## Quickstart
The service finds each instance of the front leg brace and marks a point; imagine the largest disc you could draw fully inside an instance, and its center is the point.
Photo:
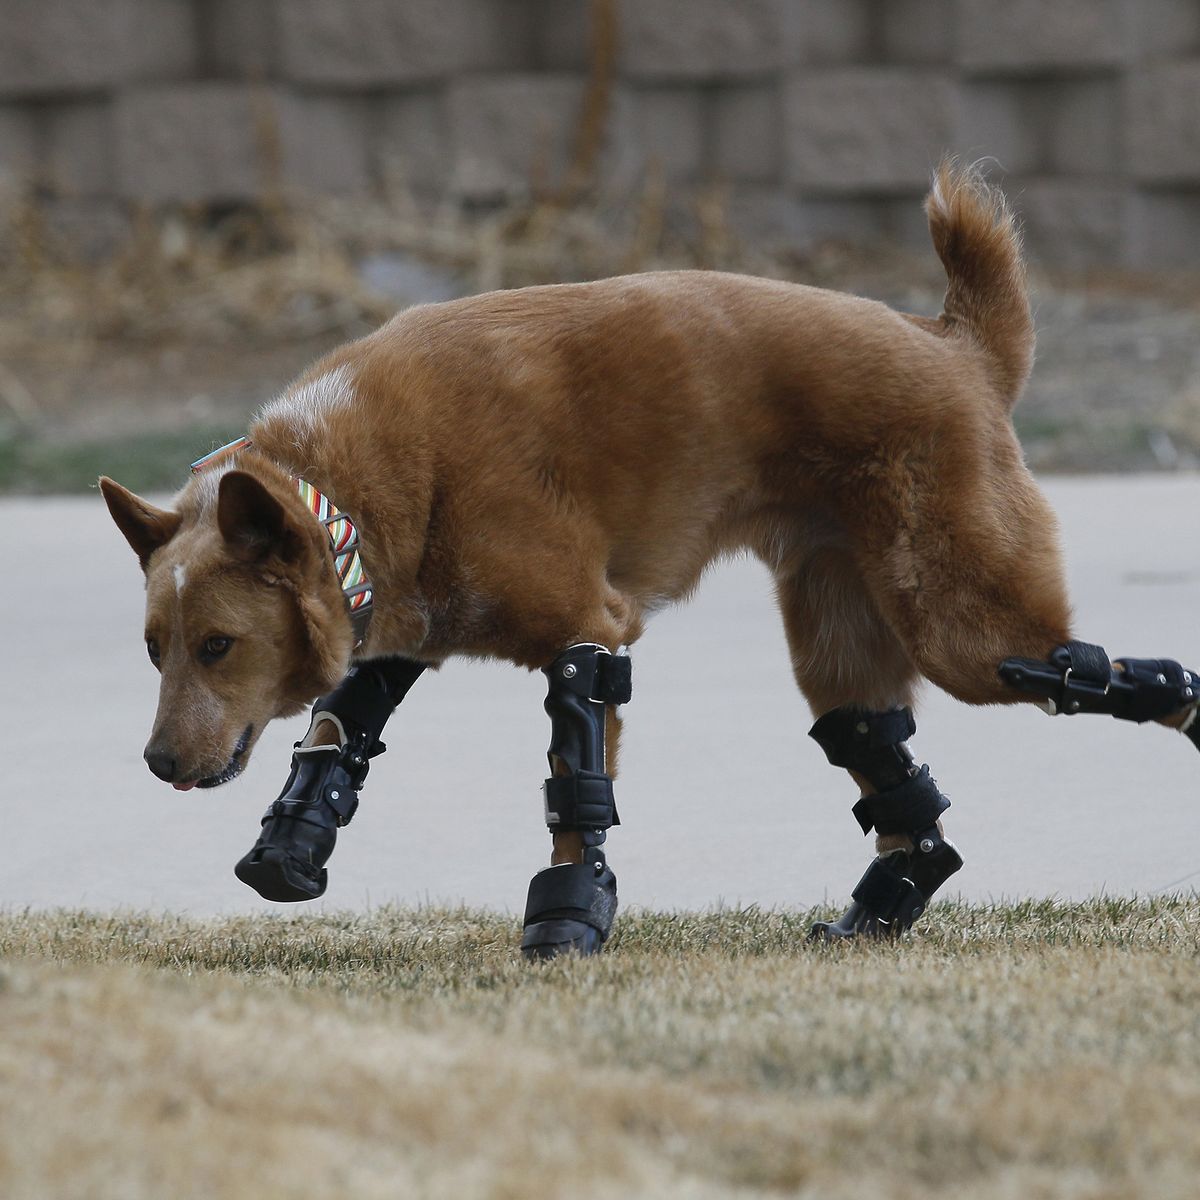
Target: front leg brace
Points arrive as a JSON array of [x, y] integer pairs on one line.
[[570, 907], [1078, 677], [299, 832]]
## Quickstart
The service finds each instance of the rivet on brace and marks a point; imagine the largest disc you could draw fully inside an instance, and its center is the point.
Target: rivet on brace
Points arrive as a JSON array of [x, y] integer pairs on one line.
[[570, 907], [898, 885]]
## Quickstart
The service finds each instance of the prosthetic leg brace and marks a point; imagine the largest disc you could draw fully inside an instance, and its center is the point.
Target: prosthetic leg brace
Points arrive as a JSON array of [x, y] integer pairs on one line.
[[1078, 677], [570, 908], [299, 830], [898, 885]]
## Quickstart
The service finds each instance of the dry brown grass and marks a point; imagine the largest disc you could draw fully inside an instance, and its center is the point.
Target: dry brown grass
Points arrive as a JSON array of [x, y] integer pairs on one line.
[[273, 272], [1028, 1051], [197, 316]]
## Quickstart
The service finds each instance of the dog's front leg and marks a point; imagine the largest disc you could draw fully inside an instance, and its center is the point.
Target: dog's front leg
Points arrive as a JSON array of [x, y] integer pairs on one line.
[[329, 766], [572, 903]]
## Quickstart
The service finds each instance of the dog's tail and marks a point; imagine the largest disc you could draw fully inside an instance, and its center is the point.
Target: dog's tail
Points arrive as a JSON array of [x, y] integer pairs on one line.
[[976, 237]]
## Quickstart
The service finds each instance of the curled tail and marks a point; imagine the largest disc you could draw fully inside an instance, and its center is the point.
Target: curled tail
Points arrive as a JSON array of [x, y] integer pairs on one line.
[[975, 235]]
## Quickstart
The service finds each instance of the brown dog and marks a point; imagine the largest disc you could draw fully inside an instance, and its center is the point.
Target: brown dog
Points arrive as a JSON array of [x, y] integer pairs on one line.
[[537, 469]]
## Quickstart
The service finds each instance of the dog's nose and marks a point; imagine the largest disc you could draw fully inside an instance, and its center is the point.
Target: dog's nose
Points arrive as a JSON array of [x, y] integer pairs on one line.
[[163, 765]]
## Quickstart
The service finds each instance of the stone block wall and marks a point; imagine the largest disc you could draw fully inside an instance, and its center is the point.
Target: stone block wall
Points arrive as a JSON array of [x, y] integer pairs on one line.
[[822, 117]]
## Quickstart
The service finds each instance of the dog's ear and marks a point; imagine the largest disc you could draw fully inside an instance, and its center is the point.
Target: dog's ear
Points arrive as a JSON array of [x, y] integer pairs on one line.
[[257, 526], [145, 527], [254, 522]]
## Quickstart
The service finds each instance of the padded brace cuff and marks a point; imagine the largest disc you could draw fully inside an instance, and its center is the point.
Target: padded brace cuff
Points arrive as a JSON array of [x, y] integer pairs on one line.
[[910, 808], [848, 735], [1085, 661], [368, 696], [569, 886], [395, 675], [614, 679], [360, 701], [583, 801], [1161, 687]]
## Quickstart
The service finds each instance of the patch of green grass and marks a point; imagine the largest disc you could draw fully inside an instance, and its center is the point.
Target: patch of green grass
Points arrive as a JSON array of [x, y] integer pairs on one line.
[[1032, 426], [34, 464]]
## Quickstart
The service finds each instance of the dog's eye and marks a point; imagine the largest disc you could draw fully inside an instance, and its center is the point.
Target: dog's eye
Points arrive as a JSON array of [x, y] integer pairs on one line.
[[214, 648], [153, 650]]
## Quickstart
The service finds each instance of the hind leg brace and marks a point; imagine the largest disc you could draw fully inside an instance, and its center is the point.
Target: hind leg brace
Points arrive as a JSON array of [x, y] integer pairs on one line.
[[897, 885], [1078, 677], [300, 828], [570, 907]]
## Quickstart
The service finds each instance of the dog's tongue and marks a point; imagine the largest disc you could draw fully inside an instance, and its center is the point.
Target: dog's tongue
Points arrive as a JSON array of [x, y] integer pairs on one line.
[[184, 787]]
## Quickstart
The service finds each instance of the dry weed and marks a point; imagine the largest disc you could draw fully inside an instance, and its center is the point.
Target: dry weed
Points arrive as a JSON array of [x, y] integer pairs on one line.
[[273, 272]]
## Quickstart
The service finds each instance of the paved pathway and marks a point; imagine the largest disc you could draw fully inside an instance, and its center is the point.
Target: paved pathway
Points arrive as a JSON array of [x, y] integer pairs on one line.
[[724, 798]]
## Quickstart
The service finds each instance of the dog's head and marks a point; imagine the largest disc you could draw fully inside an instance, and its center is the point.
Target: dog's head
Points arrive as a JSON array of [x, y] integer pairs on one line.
[[245, 619]]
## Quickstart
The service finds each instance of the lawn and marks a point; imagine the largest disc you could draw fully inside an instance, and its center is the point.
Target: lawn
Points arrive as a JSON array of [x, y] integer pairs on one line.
[[1031, 1050]]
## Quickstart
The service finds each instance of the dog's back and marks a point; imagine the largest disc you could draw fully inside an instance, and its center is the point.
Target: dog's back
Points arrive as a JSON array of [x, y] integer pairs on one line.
[[647, 423]]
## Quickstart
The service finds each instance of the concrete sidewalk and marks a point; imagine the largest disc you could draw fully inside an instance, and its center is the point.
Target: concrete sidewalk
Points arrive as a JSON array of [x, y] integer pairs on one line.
[[724, 799]]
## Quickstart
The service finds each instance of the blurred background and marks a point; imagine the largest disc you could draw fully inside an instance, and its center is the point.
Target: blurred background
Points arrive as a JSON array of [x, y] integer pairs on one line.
[[198, 196]]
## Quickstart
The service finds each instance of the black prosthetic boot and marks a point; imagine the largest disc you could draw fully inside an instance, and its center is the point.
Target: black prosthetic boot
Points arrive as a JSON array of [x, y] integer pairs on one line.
[[1079, 677], [898, 886], [570, 908], [299, 830]]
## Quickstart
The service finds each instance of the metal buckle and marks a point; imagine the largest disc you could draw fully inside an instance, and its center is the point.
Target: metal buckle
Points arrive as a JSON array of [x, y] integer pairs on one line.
[[1068, 702]]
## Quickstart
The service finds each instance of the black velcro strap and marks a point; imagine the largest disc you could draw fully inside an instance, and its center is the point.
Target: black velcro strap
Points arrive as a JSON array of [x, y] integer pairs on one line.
[[882, 890], [913, 806], [845, 734], [297, 810], [318, 777], [1089, 662], [570, 886], [614, 678], [583, 801], [343, 801]]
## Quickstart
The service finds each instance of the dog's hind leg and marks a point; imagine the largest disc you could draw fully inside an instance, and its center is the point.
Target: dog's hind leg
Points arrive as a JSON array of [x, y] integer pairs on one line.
[[976, 596], [984, 615], [572, 903], [329, 766], [858, 677]]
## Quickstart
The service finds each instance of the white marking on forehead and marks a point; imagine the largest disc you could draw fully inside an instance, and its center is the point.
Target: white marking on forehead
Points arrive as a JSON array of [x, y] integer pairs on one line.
[[307, 408], [180, 573]]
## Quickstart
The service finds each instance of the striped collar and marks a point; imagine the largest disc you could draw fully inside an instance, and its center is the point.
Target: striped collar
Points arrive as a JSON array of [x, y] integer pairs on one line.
[[343, 541]]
